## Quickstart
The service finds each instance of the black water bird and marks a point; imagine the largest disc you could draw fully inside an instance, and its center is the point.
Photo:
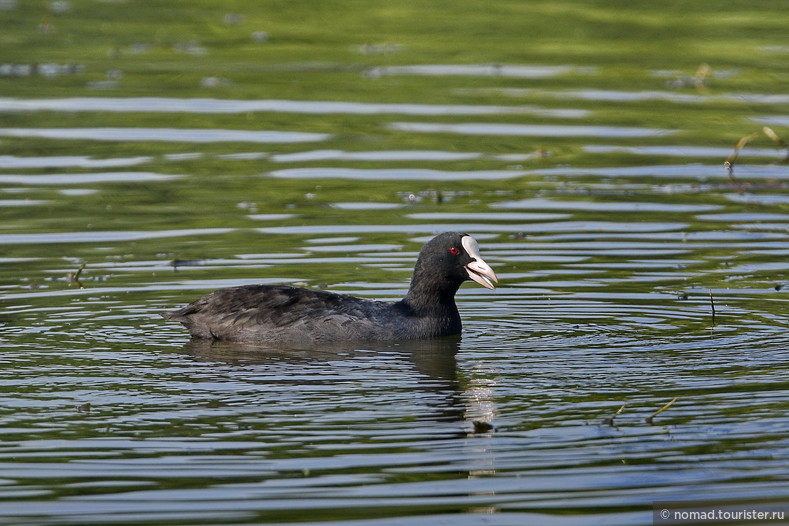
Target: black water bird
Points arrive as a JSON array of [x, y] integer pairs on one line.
[[284, 315]]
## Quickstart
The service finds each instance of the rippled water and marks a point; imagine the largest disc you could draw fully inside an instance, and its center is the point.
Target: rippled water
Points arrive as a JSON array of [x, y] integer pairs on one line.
[[636, 273]]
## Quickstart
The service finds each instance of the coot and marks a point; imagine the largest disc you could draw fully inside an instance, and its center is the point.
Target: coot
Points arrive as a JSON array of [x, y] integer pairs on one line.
[[279, 315]]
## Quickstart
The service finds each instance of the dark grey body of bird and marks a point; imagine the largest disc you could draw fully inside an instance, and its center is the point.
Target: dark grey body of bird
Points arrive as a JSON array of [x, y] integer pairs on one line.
[[284, 315]]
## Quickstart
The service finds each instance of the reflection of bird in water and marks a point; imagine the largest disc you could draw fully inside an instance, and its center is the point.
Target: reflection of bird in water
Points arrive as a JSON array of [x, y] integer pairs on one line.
[[433, 358], [428, 367]]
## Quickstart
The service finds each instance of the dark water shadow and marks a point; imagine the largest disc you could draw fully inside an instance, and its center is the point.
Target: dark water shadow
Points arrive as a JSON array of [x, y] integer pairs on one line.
[[433, 362], [435, 358]]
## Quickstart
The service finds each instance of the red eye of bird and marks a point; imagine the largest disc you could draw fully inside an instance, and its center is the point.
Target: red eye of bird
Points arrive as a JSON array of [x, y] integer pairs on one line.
[[454, 251]]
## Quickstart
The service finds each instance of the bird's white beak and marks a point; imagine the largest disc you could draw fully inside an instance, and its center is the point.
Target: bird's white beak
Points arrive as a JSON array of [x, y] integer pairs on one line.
[[478, 270]]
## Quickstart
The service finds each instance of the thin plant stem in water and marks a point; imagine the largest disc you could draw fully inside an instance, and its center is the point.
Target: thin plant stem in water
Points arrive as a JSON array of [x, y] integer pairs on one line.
[[610, 420], [769, 132], [732, 158], [650, 420], [712, 307], [73, 277]]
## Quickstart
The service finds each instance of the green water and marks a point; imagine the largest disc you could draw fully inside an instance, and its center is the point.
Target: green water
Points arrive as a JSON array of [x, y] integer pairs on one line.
[[149, 155]]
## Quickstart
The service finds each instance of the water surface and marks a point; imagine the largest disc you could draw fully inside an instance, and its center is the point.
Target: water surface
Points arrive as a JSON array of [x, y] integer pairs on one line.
[[582, 147]]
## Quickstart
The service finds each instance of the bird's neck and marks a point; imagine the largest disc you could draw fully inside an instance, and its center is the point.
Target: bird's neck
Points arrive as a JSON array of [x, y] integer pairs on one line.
[[432, 311], [427, 295]]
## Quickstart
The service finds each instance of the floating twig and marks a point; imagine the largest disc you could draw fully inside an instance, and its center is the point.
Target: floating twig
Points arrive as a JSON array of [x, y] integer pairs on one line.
[[769, 132], [730, 160], [656, 413], [73, 277], [729, 170], [610, 420]]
